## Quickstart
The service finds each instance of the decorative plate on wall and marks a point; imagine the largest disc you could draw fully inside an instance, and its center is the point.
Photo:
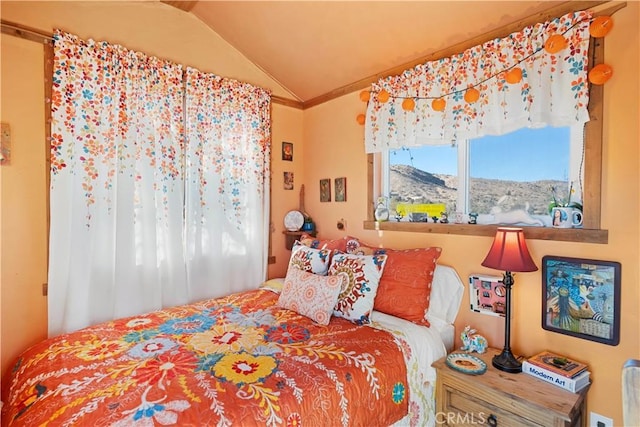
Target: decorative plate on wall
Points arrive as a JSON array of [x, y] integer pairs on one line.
[[466, 363], [293, 220]]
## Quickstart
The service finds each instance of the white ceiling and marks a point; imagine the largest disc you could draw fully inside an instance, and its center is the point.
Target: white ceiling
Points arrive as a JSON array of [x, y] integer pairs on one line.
[[314, 48]]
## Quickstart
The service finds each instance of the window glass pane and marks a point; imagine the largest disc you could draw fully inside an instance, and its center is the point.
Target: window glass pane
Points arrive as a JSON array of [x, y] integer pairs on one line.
[[505, 173], [517, 170], [424, 177]]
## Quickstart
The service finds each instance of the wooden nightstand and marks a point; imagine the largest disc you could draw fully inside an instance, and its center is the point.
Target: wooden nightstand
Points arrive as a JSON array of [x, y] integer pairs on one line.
[[498, 398]]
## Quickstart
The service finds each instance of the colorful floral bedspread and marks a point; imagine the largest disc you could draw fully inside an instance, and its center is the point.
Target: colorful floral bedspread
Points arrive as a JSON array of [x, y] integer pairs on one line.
[[237, 360]]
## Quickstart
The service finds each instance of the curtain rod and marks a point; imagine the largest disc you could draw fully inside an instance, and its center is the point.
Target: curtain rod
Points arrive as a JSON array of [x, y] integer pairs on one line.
[[22, 31], [38, 36]]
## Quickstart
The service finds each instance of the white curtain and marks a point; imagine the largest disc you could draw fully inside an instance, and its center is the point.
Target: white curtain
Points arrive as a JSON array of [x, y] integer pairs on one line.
[[553, 90], [118, 240], [228, 160], [116, 184]]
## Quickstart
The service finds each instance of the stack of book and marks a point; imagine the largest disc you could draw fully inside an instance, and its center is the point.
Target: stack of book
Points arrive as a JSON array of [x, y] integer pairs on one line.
[[558, 370]]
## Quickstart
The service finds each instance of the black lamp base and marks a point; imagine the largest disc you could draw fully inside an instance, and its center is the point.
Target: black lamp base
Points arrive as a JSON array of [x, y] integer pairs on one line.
[[507, 362]]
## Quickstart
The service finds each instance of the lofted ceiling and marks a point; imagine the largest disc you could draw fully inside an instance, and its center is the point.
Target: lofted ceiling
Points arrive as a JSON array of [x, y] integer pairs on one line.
[[316, 48]]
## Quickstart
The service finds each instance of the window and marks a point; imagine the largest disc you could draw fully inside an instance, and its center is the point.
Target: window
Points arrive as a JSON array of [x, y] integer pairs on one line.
[[486, 176], [591, 185]]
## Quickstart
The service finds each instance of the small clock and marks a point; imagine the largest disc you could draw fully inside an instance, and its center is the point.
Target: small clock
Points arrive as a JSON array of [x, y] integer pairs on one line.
[[293, 220]]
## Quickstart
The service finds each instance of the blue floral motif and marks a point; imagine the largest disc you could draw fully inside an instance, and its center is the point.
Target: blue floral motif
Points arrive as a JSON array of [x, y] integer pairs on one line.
[[188, 325], [266, 350], [398, 393], [207, 362], [254, 318], [148, 411], [138, 336], [576, 67]]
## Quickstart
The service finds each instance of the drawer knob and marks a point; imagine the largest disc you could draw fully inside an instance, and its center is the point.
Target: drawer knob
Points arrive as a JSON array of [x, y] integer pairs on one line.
[[492, 420]]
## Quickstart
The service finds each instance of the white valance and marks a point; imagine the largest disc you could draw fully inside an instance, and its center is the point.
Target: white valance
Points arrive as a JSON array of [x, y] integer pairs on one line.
[[552, 90]]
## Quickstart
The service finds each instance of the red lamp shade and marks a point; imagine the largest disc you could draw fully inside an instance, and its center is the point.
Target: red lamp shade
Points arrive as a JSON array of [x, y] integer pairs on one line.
[[509, 251]]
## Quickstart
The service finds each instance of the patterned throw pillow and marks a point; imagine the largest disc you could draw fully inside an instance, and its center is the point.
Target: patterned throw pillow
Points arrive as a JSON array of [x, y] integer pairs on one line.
[[310, 295], [362, 274], [309, 259]]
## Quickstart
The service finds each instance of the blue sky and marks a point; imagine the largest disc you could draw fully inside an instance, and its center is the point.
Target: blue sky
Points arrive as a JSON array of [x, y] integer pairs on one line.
[[524, 155]]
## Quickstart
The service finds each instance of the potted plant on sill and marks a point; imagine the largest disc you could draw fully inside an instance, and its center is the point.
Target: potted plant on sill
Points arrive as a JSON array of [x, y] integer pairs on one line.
[[558, 203]]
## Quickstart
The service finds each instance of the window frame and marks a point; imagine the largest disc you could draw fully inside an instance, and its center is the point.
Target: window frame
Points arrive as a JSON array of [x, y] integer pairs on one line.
[[575, 147], [592, 203]]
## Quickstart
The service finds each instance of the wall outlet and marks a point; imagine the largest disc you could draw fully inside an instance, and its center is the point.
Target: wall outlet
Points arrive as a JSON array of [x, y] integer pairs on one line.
[[597, 420]]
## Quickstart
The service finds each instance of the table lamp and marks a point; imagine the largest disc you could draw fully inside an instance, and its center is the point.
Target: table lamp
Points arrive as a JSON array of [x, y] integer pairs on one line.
[[509, 253]]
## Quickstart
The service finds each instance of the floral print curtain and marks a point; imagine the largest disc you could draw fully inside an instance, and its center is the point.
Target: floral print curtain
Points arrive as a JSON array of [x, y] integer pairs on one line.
[[120, 180], [228, 129], [552, 90]]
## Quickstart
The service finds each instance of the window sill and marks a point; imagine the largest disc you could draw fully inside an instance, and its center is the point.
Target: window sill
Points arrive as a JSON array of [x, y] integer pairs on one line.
[[580, 235]]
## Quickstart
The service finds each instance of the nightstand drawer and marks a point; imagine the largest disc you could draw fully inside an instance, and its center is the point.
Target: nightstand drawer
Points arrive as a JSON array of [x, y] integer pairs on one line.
[[463, 409]]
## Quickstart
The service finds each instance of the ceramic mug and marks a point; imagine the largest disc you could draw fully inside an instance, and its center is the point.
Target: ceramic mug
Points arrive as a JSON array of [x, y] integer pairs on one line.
[[566, 217]]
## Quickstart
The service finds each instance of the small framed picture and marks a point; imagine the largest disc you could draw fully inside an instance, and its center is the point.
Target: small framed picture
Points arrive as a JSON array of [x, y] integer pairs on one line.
[[581, 298], [325, 190], [287, 151], [487, 295], [288, 180], [341, 189]]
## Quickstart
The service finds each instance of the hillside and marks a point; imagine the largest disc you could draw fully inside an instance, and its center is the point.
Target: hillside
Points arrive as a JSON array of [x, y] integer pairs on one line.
[[409, 184]]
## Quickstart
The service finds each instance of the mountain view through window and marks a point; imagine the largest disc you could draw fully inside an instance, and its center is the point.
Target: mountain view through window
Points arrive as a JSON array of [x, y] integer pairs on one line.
[[521, 170]]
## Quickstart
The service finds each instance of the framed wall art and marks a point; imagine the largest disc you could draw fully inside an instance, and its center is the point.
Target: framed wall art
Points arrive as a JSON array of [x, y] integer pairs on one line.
[[341, 189], [288, 180], [325, 190], [487, 294], [287, 151], [581, 298]]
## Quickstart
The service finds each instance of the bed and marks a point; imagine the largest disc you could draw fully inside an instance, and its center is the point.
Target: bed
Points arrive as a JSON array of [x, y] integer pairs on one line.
[[244, 359]]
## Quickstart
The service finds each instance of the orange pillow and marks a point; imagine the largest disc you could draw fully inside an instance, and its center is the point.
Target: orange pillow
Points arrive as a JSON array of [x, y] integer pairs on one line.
[[405, 285], [312, 242]]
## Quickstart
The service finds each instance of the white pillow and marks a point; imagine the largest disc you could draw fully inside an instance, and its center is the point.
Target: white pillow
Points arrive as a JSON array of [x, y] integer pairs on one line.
[[446, 294], [311, 295]]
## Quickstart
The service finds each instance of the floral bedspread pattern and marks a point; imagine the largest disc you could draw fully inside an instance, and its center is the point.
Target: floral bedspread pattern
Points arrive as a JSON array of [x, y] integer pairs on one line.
[[237, 360]]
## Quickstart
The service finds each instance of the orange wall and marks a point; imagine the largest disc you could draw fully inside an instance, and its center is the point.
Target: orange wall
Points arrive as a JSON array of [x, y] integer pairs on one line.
[[287, 126], [334, 147], [23, 200]]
